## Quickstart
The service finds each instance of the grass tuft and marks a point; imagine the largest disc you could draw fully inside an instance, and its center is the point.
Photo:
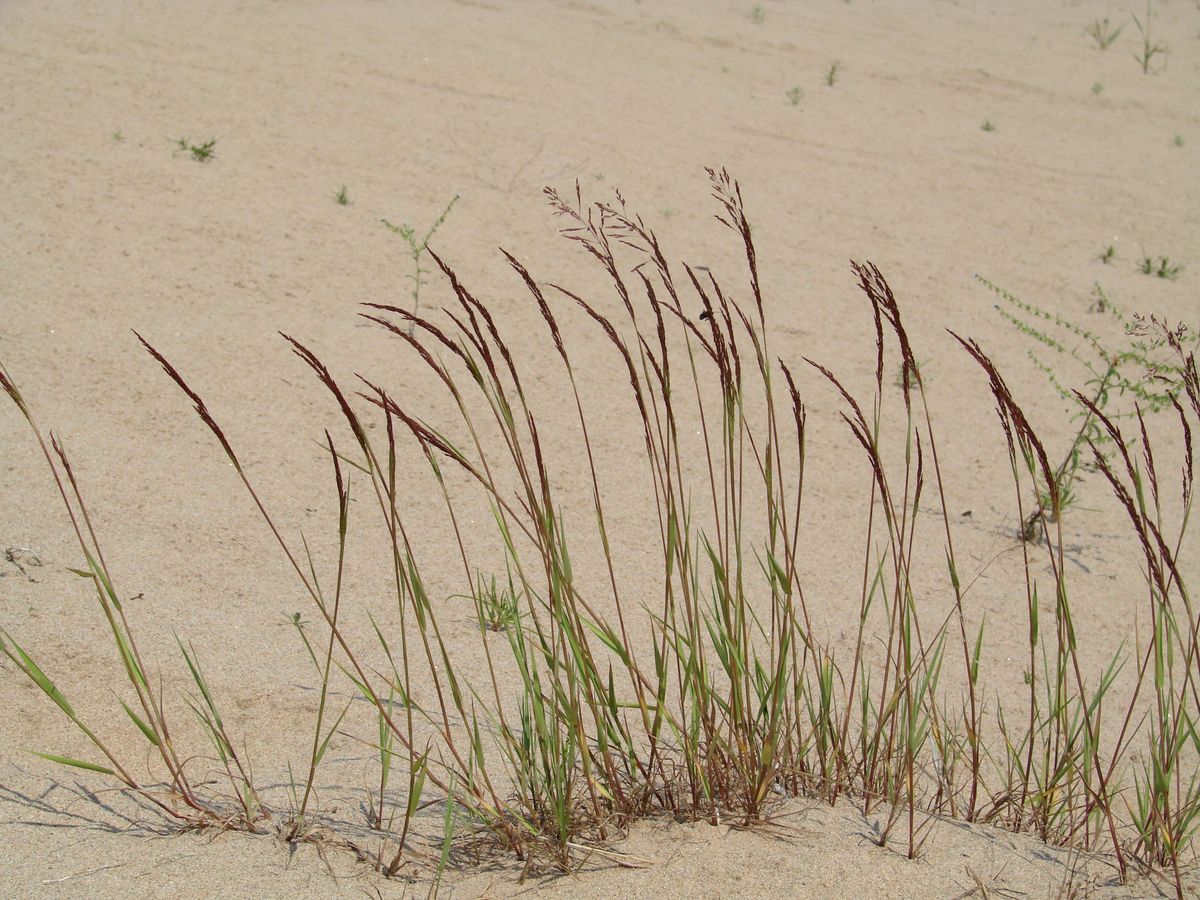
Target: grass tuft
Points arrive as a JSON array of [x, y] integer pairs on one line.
[[715, 693], [1160, 267]]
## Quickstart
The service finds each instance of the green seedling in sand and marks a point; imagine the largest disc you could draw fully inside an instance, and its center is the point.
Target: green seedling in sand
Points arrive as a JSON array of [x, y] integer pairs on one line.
[[1103, 33], [758, 15], [1178, 141], [199, 152], [987, 125], [1160, 267], [497, 607], [795, 95], [416, 248], [906, 380], [1150, 47], [1109, 254], [1097, 88], [118, 136], [831, 76], [342, 196], [690, 678]]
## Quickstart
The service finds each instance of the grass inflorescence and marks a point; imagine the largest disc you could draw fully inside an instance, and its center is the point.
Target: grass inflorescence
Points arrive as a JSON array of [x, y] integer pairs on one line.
[[713, 696]]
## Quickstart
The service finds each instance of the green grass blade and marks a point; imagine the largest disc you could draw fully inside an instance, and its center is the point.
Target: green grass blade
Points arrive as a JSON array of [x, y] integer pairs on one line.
[[74, 763], [142, 726]]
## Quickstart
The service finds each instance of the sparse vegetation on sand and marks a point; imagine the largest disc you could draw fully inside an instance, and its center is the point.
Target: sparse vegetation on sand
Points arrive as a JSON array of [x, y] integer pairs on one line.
[[1137, 379], [1150, 47], [717, 696], [1103, 33], [1160, 267], [201, 152]]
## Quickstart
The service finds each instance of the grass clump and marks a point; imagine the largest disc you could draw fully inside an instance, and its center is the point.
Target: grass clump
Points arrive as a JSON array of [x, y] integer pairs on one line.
[[987, 125], [181, 799], [497, 607], [342, 196], [1160, 267], [1109, 254], [712, 693], [831, 76]]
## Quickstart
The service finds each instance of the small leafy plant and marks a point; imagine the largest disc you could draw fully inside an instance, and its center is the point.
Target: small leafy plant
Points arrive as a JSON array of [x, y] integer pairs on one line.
[[832, 75], [342, 196], [1150, 47], [199, 152], [1160, 267], [987, 125], [795, 95], [1103, 33], [1139, 370], [758, 15], [416, 248], [1109, 254], [1097, 88], [497, 607]]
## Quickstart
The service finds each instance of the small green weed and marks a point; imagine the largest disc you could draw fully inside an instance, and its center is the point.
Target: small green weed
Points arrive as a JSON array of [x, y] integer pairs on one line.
[[1160, 266], [987, 125], [907, 375], [758, 15], [496, 606], [1108, 377], [1103, 33], [795, 95], [832, 75], [1097, 88], [200, 152], [1109, 254], [1150, 47], [341, 196], [417, 247]]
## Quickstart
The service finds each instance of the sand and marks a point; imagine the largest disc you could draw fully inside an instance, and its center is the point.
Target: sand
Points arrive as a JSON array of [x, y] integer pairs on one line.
[[106, 228]]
